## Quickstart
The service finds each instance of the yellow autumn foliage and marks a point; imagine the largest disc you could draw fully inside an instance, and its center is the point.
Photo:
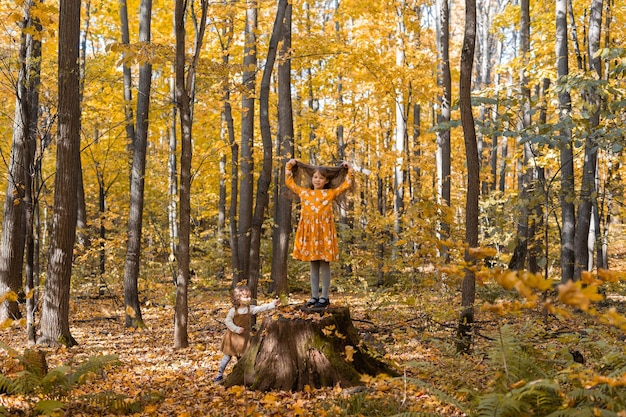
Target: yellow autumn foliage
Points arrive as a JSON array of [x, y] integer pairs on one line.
[[577, 295]]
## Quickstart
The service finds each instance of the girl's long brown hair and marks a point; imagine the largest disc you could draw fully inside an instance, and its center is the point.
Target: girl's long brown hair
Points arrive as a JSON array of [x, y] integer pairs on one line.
[[303, 173]]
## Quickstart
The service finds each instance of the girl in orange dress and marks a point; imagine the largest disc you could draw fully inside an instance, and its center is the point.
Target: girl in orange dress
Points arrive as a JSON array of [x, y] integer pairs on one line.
[[316, 236]]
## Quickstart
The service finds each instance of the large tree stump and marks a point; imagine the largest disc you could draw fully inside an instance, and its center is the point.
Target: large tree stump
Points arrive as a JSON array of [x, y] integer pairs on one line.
[[306, 346]]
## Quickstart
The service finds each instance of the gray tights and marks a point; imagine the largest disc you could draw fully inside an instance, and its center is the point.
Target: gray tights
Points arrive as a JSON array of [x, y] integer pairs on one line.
[[317, 268], [223, 364]]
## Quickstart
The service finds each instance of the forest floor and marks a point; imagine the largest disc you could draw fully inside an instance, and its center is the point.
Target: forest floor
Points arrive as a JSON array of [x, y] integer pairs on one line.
[[415, 328]]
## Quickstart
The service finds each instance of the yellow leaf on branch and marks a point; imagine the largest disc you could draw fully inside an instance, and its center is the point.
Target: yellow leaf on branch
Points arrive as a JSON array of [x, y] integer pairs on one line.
[[573, 293], [507, 280], [611, 276], [10, 296], [482, 253]]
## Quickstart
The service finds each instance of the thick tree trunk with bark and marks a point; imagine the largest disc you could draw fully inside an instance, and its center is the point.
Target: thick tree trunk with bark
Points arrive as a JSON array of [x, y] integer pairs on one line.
[[54, 324], [306, 347], [468, 286], [13, 221], [283, 206]]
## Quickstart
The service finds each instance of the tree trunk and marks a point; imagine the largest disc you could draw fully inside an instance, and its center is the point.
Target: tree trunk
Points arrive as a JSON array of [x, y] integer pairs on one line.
[[416, 182], [227, 134], [311, 347], [102, 212], [282, 217], [128, 82], [444, 81], [185, 86], [567, 194], [588, 190], [493, 161], [265, 178], [12, 238], [520, 253], [137, 182], [540, 246], [228, 130], [30, 182], [54, 323], [82, 230], [172, 182], [400, 128], [381, 205], [246, 187], [468, 289], [181, 311]]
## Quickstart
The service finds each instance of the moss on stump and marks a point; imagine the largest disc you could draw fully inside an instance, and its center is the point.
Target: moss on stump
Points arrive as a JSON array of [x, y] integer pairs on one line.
[[306, 346]]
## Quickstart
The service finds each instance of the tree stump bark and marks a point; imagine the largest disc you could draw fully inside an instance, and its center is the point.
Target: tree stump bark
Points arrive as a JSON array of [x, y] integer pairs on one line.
[[302, 347]]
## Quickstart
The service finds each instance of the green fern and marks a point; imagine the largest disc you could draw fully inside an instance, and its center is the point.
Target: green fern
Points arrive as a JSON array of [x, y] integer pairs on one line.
[[583, 412], [49, 407], [112, 401], [534, 394], [56, 382], [499, 405], [615, 364], [95, 364], [442, 396], [7, 386], [582, 397], [514, 360], [536, 398], [26, 383], [55, 385], [515, 363]]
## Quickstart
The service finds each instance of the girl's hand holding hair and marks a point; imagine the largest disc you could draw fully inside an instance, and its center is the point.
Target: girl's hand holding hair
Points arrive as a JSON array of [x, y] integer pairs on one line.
[[291, 163]]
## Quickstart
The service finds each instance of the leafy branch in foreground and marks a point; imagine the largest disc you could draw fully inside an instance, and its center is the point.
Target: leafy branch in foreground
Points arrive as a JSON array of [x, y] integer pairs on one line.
[[50, 390]]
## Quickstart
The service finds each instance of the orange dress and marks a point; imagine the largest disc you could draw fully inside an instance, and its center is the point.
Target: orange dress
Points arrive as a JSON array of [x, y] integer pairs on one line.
[[316, 236]]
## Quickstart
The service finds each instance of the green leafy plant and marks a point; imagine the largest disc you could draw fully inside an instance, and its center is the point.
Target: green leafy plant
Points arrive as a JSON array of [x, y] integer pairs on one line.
[[51, 390], [526, 384], [368, 404]]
